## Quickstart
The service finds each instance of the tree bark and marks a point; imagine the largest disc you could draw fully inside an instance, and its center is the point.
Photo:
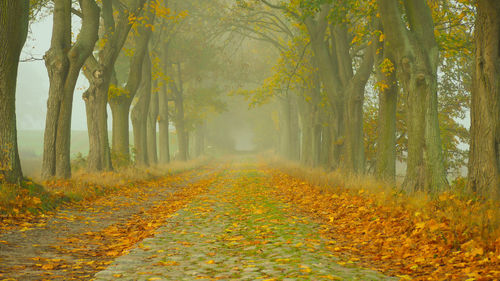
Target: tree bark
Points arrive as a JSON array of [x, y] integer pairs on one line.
[[120, 108], [355, 98], [151, 126], [294, 129], [180, 127], [484, 157], [305, 114], [64, 63], [329, 76], [99, 73], [285, 127], [13, 32], [140, 115], [417, 56], [386, 131], [120, 103], [163, 126]]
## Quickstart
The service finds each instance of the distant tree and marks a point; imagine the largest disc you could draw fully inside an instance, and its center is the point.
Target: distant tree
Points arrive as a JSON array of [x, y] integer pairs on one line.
[[14, 18], [139, 113]]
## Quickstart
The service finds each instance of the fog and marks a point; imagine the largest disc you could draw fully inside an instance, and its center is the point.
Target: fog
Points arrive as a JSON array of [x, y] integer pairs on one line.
[[245, 84]]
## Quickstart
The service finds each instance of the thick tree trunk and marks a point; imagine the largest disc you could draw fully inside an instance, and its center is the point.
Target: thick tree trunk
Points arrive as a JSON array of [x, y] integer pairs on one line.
[[120, 102], [386, 131], [484, 157], [151, 127], [140, 115], [57, 64], [96, 100], [355, 98], [417, 57], [99, 75], [163, 127], [120, 141], [64, 63], [13, 32]]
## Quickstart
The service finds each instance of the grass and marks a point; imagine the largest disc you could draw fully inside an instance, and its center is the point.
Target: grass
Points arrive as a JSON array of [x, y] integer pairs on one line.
[[33, 198], [477, 220]]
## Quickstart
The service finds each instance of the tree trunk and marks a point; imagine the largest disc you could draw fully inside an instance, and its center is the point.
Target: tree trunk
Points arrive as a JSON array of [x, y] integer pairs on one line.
[[305, 114], [13, 32], [386, 131], [99, 75], [180, 127], [96, 97], [355, 98], [151, 127], [417, 57], [140, 115], [285, 127], [120, 102], [64, 63], [120, 141], [163, 126], [294, 129], [484, 157]]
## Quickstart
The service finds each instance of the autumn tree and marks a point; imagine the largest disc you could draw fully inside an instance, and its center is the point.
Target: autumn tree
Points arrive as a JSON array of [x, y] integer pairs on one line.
[[14, 17], [99, 71], [120, 98], [64, 61], [139, 113]]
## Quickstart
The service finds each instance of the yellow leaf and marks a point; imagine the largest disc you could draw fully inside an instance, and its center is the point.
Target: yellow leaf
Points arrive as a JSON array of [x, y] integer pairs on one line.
[[168, 263], [420, 225], [305, 269], [477, 251]]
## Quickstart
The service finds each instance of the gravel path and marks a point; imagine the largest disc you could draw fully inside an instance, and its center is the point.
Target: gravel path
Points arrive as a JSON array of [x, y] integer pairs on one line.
[[236, 231]]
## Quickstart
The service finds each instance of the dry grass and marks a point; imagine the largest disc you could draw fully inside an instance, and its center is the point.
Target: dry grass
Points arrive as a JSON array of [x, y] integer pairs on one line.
[[479, 220], [126, 175], [31, 197]]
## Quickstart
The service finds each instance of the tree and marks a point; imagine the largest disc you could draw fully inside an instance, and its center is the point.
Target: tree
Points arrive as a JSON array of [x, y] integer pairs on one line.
[[388, 100], [177, 88], [139, 114], [417, 57], [14, 17], [120, 99], [99, 72], [484, 157], [64, 61]]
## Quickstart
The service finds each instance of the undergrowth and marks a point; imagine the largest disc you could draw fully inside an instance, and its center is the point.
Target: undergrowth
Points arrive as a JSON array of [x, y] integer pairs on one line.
[[32, 198]]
